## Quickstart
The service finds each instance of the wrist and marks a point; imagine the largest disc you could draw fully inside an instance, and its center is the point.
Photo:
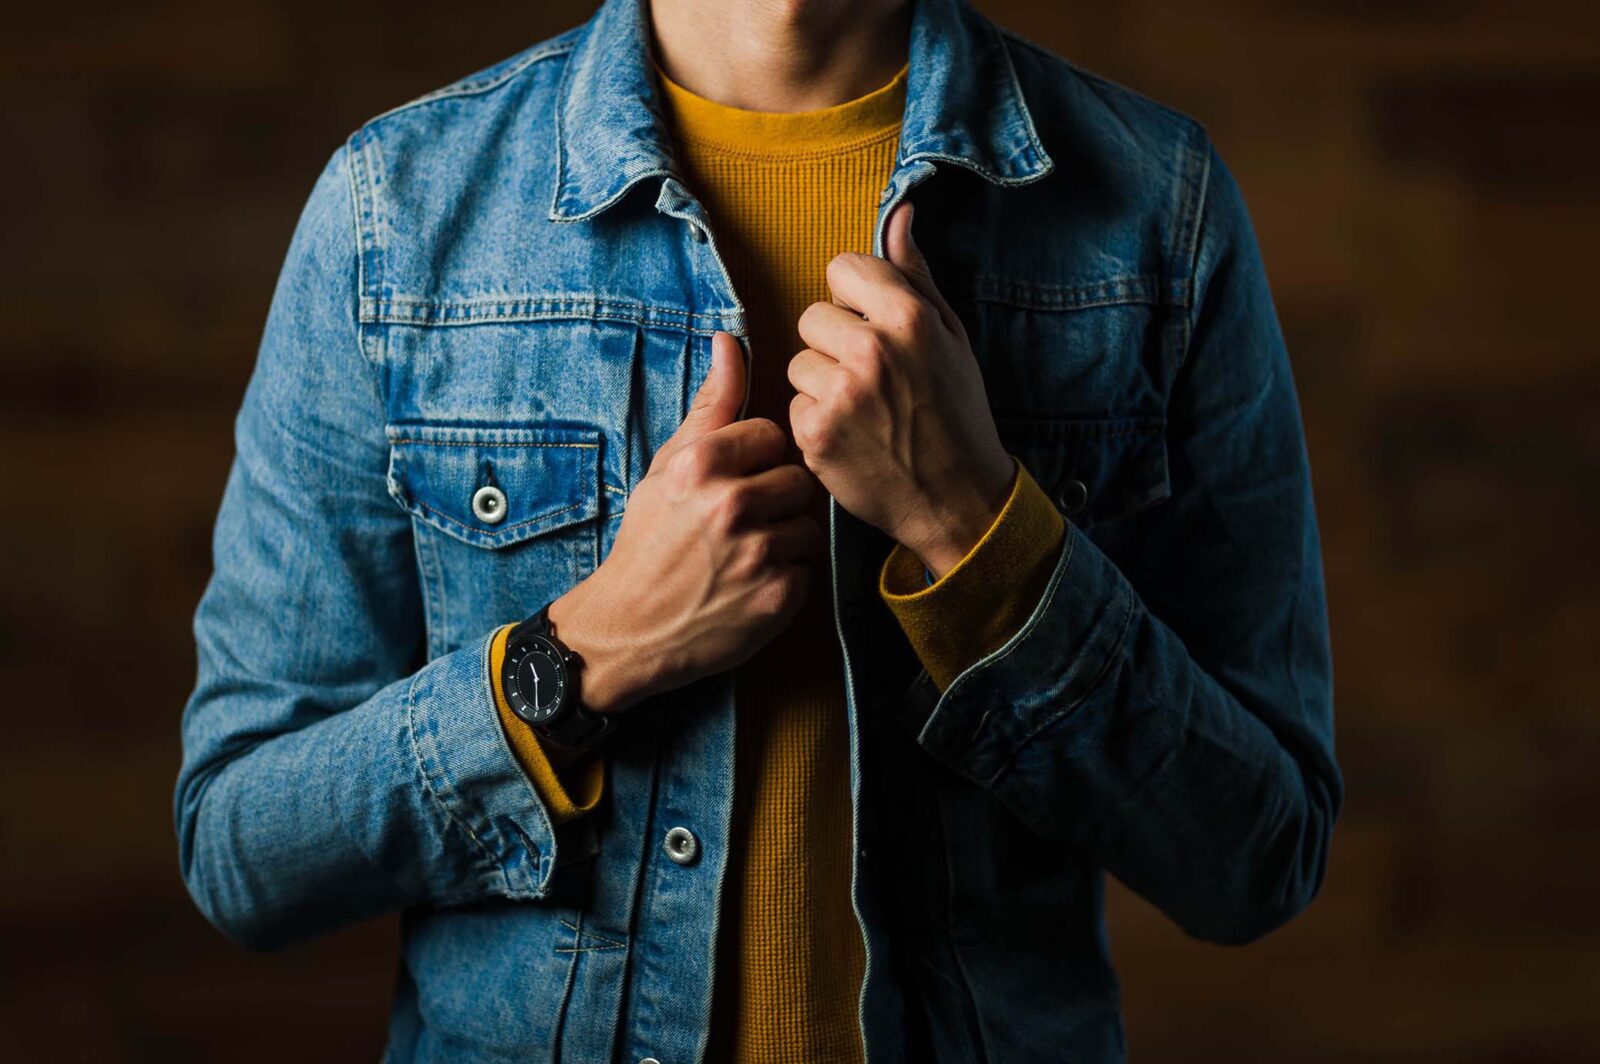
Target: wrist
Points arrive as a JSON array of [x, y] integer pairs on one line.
[[961, 522], [611, 678]]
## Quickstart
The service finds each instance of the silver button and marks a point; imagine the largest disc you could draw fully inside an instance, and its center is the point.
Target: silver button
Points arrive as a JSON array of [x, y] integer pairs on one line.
[[489, 504], [888, 190], [649, 1060], [681, 845], [1072, 496], [698, 232]]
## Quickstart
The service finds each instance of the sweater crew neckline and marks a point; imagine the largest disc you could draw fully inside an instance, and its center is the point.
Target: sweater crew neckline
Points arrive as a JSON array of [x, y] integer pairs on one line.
[[865, 119]]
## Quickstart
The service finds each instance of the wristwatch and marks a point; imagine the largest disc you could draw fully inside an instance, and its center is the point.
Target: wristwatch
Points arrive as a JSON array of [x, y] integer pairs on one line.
[[540, 681]]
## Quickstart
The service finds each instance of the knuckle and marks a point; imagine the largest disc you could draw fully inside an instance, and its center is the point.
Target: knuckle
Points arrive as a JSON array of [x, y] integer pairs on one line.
[[857, 389], [870, 376], [908, 314], [730, 509], [762, 549], [872, 347], [822, 435], [694, 463], [801, 426]]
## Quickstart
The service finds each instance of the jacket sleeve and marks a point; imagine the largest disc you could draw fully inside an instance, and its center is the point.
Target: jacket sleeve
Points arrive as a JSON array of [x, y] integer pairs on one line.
[[1175, 720], [325, 776]]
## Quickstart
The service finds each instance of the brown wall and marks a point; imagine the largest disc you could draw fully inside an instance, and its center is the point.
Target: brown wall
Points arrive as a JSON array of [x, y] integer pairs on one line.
[[1422, 178]]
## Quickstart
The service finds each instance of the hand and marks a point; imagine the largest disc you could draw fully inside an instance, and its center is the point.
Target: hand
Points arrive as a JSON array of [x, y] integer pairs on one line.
[[713, 557], [891, 412]]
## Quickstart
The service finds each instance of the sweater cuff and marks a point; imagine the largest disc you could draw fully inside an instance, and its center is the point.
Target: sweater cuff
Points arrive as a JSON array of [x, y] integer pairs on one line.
[[585, 778], [984, 599]]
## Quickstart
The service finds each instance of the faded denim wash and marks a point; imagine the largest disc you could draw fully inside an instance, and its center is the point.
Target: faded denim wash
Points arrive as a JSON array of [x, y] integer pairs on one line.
[[507, 281]]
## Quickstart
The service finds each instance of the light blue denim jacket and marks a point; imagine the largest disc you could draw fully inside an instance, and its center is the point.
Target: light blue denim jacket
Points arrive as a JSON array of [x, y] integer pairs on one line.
[[507, 282]]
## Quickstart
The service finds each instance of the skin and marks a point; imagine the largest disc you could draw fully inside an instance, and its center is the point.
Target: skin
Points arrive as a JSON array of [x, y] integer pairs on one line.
[[715, 553], [780, 55]]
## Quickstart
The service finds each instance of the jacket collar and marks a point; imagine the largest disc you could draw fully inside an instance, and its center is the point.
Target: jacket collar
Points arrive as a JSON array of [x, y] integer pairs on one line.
[[963, 105]]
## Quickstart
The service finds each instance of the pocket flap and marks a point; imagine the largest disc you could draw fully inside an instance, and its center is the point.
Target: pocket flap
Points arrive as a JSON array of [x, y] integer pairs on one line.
[[1093, 469], [495, 485]]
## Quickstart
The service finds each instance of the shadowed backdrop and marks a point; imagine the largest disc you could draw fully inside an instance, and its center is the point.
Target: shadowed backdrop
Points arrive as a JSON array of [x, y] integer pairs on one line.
[[1422, 178]]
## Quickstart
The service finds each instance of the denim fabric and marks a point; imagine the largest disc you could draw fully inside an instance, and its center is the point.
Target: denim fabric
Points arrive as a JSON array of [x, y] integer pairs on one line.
[[507, 283]]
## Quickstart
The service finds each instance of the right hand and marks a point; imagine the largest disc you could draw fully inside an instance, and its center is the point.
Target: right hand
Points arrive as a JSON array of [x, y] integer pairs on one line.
[[713, 557]]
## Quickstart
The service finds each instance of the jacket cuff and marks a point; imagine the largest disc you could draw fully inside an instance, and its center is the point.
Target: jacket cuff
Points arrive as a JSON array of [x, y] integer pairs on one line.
[[975, 607], [585, 779]]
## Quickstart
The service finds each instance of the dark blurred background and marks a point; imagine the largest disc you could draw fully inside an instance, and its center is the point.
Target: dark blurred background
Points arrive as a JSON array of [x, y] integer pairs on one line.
[[1423, 179]]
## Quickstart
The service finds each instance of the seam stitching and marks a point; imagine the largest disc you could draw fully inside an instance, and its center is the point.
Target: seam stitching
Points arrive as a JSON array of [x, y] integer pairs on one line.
[[488, 443], [560, 46]]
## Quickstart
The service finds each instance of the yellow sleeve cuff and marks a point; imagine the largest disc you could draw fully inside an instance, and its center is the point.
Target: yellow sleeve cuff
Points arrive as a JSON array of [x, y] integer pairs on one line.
[[985, 597], [584, 779]]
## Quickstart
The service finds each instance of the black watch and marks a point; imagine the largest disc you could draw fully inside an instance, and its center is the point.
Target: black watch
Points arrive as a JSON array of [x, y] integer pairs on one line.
[[540, 681]]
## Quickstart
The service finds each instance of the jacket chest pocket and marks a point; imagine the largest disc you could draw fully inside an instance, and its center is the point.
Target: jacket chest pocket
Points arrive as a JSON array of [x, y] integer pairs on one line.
[[1094, 469], [505, 518]]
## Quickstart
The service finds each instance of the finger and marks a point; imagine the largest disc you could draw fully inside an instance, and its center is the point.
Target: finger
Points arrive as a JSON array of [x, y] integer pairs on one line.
[[812, 372], [745, 447], [717, 401], [797, 538], [905, 256], [802, 408], [833, 330], [779, 493], [868, 285]]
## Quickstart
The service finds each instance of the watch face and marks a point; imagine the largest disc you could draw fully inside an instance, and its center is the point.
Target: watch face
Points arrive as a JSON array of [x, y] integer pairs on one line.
[[535, 679]]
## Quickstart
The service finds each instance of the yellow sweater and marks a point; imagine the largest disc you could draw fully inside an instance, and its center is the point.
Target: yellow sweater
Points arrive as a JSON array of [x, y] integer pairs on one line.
[[786, 192]]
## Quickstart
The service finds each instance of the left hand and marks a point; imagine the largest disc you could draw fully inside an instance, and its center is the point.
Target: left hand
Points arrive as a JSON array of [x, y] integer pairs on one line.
[[890, 413]]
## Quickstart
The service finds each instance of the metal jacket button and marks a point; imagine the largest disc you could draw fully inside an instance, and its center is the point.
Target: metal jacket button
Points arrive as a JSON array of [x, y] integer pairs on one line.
[[682, 846], [698, 232], [489, 504]]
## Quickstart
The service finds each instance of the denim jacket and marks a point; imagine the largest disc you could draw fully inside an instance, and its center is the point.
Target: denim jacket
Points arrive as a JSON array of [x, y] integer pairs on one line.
[[507, 283]]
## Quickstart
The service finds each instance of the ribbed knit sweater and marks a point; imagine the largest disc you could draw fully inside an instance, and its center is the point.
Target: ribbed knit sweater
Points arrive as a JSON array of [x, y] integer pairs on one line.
[[785, 193]]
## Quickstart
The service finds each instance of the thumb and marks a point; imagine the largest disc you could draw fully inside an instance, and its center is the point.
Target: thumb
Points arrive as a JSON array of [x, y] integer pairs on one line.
[[902, 251], [717, 400]]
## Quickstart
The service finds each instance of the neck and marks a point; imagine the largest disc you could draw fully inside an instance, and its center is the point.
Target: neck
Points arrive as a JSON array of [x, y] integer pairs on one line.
[[780, 55]]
